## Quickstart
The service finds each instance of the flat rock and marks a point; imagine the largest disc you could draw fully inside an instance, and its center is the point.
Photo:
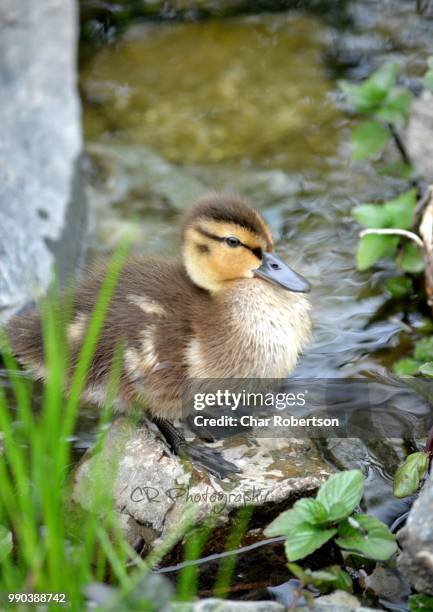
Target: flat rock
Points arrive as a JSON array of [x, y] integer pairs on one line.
[[224, 605], [416, 539], [39, 148], [153, 489]]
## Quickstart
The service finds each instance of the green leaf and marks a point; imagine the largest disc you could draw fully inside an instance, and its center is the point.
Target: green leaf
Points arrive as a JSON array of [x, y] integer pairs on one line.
[[368, 139], [395, 108], [367, 536], [367, 96], [399, 286], [341, 493], [305, 540], [363, 98], [371, 215], [344, 581], [400, 210], [289, 521], [411, 259], [332, 576], [373, 247], [424, 349], [420, 603], [384, 77], [407, 367], [427, 369], [317, 511], [5, 542], [408, 476]]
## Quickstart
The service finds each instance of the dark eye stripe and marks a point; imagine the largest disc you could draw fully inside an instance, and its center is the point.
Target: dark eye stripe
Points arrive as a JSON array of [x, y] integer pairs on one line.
[[257, 251]]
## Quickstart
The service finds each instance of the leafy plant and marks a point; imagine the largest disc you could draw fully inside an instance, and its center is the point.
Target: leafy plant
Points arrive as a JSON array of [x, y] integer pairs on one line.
[[420, 603], [409, 475], [421, 361], [396, 214], [313, 522], [385, 106], [330, 578]]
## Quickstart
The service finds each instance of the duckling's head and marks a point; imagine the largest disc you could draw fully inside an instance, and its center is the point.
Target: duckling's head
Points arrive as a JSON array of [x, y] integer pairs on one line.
[[225, 240]]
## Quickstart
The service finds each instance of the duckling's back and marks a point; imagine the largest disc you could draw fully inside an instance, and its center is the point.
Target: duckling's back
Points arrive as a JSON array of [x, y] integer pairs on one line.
[[148, 317]]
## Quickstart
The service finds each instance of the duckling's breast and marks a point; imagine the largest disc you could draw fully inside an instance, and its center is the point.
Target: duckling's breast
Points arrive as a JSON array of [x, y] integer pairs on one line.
[[255, 329]]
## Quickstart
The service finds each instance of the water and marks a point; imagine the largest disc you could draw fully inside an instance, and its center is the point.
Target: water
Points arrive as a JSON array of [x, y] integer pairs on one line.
[[251, 104]]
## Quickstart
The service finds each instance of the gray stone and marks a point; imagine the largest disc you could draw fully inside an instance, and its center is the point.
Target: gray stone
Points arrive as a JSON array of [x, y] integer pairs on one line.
[[416, 539], [419, 135], [224, 605], [41, 207], [154, 492], [339, 601]]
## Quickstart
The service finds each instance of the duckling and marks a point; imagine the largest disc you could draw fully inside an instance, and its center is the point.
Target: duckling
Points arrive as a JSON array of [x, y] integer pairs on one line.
[[230, 309]]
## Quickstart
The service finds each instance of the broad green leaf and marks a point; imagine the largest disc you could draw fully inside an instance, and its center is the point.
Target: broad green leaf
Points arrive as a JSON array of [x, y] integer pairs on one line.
[[318, 515], [371, 215], [427, 369], [305, 539], [424, 349], [289, 520], [400, 210], [368, 139], [367, 96], [408, 476], [384, 77], [367, 536], [411, 259], [373, 247], [363, 98], [341, 493], [407, 367], [420, 603], [395, 108], [5, 542], [399, 286]]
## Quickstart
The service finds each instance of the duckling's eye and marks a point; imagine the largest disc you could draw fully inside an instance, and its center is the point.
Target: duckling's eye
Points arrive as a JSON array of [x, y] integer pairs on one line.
[[232, 241]]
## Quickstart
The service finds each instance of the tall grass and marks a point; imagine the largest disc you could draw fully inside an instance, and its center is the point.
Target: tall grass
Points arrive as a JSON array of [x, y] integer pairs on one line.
[[47, 545]]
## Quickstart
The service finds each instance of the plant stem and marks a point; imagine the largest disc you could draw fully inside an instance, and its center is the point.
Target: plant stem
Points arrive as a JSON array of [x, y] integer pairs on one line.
[[399, 144]]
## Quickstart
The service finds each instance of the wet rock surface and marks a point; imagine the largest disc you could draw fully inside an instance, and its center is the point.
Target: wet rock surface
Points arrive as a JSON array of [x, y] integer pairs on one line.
[[420, 135], [416, 539], [336, 602], [153, 488], [41, 205]]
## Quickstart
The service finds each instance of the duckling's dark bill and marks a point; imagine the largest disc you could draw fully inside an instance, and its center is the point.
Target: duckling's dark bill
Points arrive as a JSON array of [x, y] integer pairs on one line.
[[276, 271]]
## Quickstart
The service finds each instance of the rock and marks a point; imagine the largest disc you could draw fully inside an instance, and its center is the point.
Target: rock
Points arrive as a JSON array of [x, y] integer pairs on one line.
[[339, 601], [41, 207], [419, 135], [416, 539], [224, 605], [153, 489]]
